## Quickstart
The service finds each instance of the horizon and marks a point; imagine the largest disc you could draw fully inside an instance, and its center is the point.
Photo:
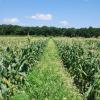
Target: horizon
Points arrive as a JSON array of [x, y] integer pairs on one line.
[[50, 26], [63, 14]]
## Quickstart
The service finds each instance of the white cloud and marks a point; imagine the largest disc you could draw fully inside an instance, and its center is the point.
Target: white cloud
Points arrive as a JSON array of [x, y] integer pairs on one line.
[[10, 20], [41, 17], [64, 22]]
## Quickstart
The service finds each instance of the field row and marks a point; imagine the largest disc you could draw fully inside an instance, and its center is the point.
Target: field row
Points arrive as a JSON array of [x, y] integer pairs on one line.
[[16, 60], [49, 68], [81, 57]]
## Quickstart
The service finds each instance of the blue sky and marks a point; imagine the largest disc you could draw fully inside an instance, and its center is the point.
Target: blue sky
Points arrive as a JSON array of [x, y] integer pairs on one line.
[[59, 13]]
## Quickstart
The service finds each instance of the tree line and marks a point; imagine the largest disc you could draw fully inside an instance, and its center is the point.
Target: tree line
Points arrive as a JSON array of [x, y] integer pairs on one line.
[[49, 31]]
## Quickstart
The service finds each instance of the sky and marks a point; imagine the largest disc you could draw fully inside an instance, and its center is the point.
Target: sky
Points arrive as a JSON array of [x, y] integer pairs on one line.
[[58, 13]]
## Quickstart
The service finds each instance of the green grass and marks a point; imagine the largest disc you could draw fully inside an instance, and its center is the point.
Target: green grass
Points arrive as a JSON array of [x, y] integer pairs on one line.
[[20, 96], [49, 81]]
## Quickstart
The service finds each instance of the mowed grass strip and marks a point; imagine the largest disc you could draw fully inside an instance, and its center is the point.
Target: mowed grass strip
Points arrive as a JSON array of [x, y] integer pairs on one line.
[[49, 81]]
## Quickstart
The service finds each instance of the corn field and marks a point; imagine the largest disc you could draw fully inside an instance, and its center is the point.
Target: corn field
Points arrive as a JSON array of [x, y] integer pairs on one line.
[[81, 57], [39, 68], [17, 57]]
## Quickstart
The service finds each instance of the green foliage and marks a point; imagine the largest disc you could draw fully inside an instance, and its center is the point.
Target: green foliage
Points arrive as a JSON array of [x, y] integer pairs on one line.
[[20, 95], [82, 59], [20, 79], [49, 31], [14, 65], [48, 81]]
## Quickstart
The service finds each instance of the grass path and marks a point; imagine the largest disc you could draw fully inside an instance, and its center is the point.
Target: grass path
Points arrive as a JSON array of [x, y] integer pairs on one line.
[[48, 79]]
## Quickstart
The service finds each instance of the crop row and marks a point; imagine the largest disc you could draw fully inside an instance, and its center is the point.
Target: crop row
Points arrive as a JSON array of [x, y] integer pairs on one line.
[[82, 60], [15, 64]]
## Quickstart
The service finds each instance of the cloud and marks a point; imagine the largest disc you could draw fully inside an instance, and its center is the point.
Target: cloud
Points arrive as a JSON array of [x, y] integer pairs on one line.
[[10, 20], [64, 22], [41, 17]]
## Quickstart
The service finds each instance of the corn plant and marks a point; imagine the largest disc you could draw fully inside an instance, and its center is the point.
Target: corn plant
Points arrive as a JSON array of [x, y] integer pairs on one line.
[[82, 59], [14, 65]]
